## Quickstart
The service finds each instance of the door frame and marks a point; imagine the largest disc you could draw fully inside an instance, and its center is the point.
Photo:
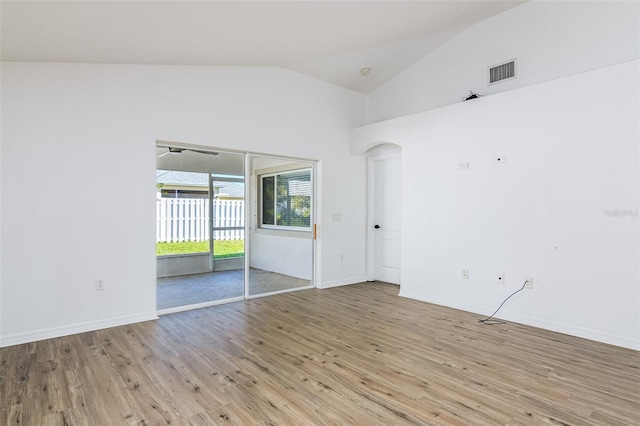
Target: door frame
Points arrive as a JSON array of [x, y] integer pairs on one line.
[[316, 207], [371, 205]]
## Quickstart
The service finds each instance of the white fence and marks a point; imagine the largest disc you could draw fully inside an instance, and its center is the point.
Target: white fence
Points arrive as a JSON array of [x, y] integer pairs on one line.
[[187, 219]]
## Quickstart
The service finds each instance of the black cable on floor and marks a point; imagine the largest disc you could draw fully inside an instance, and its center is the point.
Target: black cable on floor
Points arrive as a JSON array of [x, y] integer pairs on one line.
[[488, 320]]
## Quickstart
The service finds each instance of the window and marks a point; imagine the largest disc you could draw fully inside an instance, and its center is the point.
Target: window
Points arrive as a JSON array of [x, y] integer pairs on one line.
[[286, 200]]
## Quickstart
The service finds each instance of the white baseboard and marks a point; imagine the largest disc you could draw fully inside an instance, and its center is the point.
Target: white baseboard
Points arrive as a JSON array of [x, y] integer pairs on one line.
[[573, 330], [564, 328], [66, 330], [346, 281]]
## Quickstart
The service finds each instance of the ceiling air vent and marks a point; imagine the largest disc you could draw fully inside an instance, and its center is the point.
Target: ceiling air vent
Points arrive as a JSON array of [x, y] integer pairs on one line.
[[502, 72]]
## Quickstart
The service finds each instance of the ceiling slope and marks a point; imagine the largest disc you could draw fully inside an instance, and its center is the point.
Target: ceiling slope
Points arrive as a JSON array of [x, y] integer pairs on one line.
[[329, 40]]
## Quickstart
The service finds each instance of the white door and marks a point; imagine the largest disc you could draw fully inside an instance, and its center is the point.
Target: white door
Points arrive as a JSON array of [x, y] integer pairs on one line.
[[385, 218]]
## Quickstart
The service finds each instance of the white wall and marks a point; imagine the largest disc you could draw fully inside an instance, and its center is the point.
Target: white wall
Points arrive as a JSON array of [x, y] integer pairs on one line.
[[551, 39], [572, 154], [285, 255], [73, 133]]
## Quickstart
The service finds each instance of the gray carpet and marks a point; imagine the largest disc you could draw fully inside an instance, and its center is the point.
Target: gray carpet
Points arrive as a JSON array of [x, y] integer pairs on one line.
[[199, 288]]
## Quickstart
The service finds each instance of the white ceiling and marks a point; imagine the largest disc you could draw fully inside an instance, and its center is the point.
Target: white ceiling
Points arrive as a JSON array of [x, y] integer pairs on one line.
[[329, 40]]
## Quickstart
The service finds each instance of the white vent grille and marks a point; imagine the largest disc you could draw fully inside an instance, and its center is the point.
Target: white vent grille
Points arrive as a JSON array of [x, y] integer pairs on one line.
[[501, 72]]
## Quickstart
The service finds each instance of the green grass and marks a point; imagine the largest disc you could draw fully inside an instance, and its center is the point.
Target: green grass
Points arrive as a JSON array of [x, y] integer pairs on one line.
[[221, 249]]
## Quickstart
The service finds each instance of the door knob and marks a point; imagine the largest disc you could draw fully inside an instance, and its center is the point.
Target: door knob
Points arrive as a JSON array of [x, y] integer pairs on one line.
[[377, 227]]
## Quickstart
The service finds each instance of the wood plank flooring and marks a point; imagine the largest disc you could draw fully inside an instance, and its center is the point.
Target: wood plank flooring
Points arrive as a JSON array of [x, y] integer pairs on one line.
[[354, 355]]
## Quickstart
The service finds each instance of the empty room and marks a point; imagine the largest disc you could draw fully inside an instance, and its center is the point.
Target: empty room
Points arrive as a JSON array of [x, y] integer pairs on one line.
[[320, 212]]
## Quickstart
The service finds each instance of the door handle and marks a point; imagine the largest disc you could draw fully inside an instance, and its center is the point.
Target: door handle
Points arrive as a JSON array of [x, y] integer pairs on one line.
[[377, 226]]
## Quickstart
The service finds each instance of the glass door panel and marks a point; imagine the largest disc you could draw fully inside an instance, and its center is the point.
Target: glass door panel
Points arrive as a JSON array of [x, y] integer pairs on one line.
[[200, 228], [281, 225]]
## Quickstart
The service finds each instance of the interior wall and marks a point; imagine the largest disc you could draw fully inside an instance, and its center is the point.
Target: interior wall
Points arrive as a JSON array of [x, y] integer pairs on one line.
[[561, 207], [550, 39], [78, 177], [282, 254]]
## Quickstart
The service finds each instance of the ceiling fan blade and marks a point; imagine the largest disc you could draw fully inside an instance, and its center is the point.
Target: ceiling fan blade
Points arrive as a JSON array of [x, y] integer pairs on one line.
[[202, 152], [174, 150]]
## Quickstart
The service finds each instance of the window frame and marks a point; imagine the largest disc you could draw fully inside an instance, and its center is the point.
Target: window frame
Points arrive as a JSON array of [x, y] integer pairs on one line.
[[275, 227]]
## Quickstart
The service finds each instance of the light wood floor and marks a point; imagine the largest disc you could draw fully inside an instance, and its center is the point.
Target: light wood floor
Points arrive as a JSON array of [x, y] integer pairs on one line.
[[356, 355]]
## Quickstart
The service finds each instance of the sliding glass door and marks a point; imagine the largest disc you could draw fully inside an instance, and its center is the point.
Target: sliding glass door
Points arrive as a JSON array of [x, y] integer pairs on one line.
[[200, 226], [281, 247], [204, 209]]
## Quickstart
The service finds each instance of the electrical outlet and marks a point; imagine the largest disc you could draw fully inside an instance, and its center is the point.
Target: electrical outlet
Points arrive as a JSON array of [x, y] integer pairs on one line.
[[528, 283], [500, 279], [465, 274], [100, 285], [342, 258]]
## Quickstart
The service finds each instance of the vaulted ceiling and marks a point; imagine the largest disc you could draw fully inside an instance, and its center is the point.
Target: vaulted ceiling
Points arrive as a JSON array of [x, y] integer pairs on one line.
[[328, 40]]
